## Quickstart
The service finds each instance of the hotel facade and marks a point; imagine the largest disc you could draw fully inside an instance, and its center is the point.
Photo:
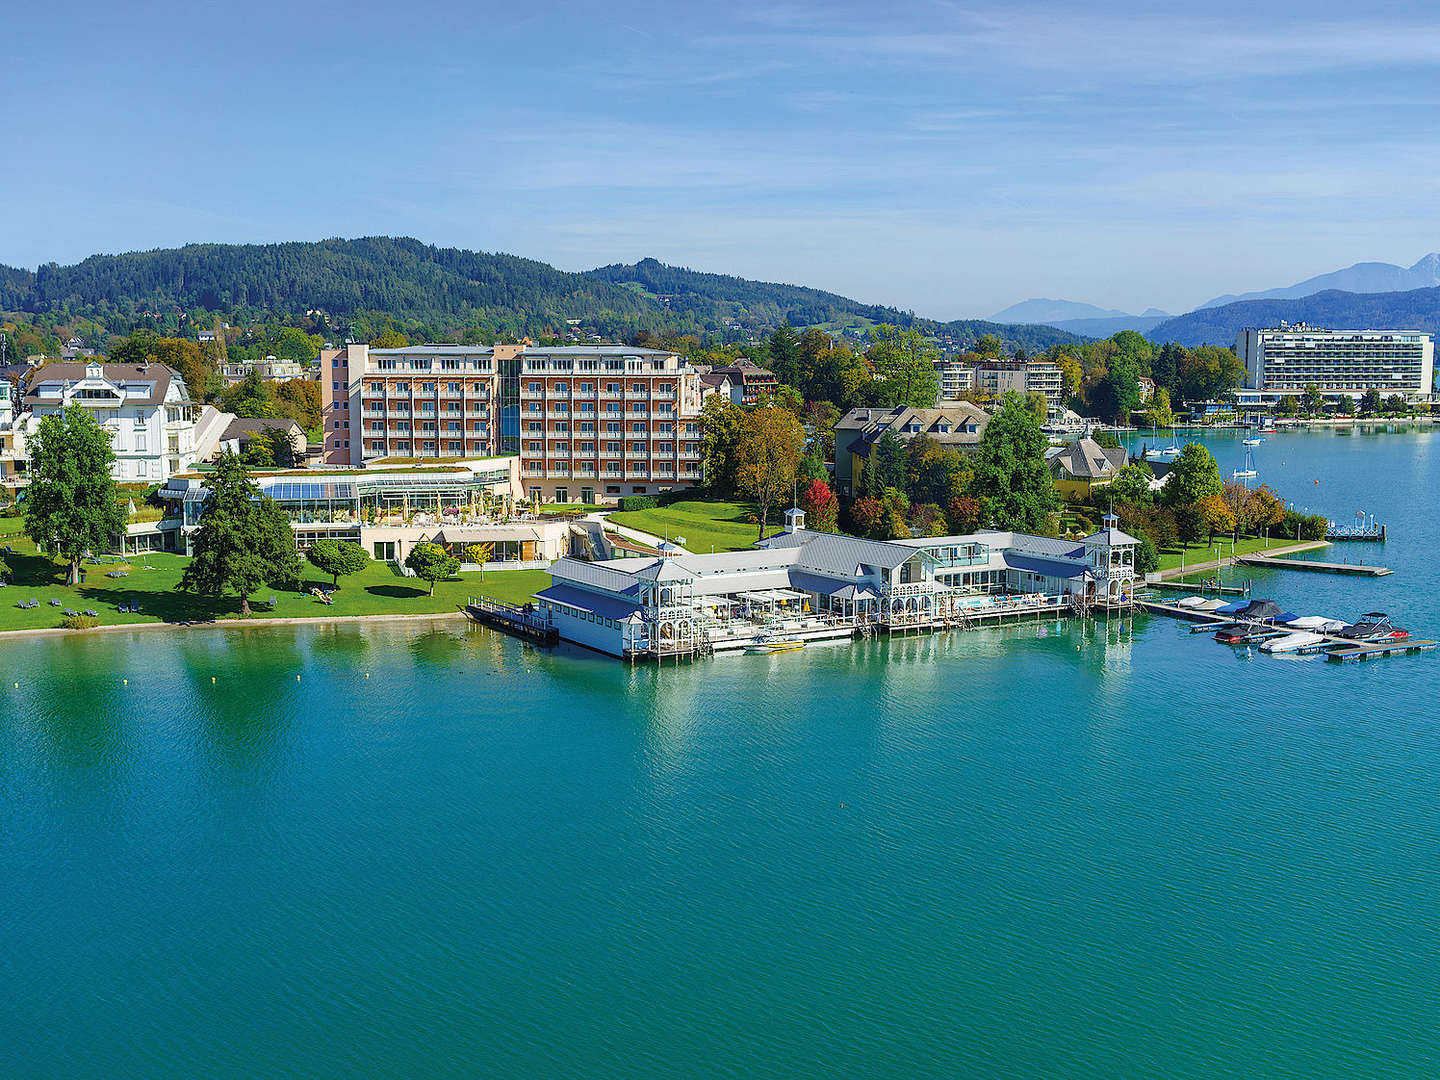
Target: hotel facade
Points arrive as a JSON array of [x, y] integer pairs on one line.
[[1284, 360], [590, 423]]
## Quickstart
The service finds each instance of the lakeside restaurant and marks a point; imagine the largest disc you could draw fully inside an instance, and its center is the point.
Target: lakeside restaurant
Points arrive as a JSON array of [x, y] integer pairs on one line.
[[810, 586]]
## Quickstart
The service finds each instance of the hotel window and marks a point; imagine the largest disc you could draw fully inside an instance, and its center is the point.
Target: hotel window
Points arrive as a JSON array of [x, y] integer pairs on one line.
[[587, 425], [638, 407], [532, 388], [562, 388], [637, 448], [612, 429], [534, 426], [637, 428], [453, 387], [637, 388], [612, 448]]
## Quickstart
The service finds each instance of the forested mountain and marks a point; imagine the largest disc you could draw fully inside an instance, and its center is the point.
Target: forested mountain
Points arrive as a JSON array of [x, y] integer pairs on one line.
[[1416, 309], [441, 293]]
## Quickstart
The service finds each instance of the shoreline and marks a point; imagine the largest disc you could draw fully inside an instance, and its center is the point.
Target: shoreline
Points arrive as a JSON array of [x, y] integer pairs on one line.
[[229, 624], [1233, 560]]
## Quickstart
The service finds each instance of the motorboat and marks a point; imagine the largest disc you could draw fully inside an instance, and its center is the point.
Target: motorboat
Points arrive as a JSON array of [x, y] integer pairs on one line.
[[763, 645], [1246, 633], [1373, 626], [1191, 602], [1301, 639], [1253, 441], [1317, 622], [1211, 605]]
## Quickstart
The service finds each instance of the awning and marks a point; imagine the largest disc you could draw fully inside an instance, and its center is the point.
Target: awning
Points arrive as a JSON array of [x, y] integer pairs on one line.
[[771, 596]]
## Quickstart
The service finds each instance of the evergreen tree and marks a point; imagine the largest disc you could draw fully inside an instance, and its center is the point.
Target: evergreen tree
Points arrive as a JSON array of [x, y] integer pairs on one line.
[[785, 355], [1010, 470]]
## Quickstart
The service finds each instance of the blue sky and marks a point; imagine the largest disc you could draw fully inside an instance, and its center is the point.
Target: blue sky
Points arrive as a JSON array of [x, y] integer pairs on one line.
[[947, 157]]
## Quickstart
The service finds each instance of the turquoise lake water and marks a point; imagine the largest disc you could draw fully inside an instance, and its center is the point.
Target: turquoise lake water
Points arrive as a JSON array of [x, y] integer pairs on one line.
[[1067, 850]]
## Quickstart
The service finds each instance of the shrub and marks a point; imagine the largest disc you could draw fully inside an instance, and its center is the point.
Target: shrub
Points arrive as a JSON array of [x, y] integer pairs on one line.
[[79, 622], [1305, 526], [638, 502]]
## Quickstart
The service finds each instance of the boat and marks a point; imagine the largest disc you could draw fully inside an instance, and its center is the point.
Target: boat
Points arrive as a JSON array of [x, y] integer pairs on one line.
[[1248, 471], [1255, 441], [1210, 605], [1170, 451], [1316, 622], [1301, 639], [764, 645], [1247, 634], [1373, 626]]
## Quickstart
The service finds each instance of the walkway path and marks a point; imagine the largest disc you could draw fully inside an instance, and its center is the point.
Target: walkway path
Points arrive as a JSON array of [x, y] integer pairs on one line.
[[1232, 560], [638, 535]]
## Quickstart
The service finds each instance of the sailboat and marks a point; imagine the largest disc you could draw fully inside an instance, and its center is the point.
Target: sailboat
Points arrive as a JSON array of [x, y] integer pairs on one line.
[[1248, 471], [1253, 440]]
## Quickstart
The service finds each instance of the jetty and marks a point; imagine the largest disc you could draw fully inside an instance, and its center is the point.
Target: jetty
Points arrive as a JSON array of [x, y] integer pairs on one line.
[[1384, 648], [1314, 566], [1333, 646], [522, 621]]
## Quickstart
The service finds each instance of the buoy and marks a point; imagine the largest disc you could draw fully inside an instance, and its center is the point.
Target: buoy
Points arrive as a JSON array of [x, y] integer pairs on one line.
[[297, 678], [367, 674], [125, 681], [212, 678]]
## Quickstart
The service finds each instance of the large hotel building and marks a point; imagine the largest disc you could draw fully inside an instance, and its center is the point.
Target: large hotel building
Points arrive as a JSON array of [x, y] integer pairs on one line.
[[589, 422], [1286, 359]]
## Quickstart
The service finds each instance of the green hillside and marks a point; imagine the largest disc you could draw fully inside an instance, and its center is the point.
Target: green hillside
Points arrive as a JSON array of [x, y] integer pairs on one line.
[[442, 293]]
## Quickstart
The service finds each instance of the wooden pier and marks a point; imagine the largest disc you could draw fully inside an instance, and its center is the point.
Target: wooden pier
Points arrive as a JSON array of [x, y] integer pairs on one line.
[[513, 619], [1356, 569]]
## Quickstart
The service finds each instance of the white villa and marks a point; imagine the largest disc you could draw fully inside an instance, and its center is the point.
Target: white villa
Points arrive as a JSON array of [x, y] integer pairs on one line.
[[810, 586], [156, 430]]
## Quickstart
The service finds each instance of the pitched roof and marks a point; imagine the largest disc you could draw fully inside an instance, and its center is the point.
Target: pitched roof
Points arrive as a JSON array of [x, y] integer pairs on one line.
[[1085, 459], [946, 424], [157, 376], [241, 426]]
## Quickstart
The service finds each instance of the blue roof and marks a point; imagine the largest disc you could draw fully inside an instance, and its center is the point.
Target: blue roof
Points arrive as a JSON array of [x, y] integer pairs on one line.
[[607, 607], [818, 583], [1048, 567]]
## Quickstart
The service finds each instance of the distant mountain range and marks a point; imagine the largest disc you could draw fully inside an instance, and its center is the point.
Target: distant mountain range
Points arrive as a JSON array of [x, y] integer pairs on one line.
[[1414, 309], [441, 293], [1077, 318], [1365, 277]]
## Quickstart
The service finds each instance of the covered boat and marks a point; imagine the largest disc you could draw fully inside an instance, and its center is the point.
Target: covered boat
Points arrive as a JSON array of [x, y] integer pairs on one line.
[[1316, 622], [1301, 639]]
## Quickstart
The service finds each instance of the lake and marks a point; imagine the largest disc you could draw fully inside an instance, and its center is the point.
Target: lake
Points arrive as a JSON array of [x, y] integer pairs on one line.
[[1056, 850]]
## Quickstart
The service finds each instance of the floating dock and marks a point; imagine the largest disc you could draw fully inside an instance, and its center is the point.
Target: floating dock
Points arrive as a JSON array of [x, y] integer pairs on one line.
[[1356, 569], [1200, 587], [1378, 649], [513, 619]]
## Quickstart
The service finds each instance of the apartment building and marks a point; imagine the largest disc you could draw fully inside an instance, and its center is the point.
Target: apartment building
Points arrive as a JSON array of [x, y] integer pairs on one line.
[[14, 459], [155, 429], [1342, 363], [589, 422], [995, 377], [956, 379], [749, 382]]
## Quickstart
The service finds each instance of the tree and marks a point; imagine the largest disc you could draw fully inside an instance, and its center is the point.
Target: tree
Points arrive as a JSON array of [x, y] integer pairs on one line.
[[1039, 404], [1147, 558], [1371, 402], [887, 463], [299, 400], [72, 505], [932, 470], [431, 563], [1119, 391], [904, 361], [1010, 470], [1161, 414], [1312, 401], [337, 557], [1189, 523], [1288, 405], [866, 515], [390, 339], [768, 457], [1194, 476], [721, 421], [249, 398], [1132, 485], [244, 539], [964, 514], [821, 507], [785, 355], [479, 554], [1216, 514], [259, 453]]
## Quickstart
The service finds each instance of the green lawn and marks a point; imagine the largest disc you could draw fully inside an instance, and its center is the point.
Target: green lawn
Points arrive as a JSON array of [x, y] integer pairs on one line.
[[152, 580], [706, 526], [1199, 553]]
